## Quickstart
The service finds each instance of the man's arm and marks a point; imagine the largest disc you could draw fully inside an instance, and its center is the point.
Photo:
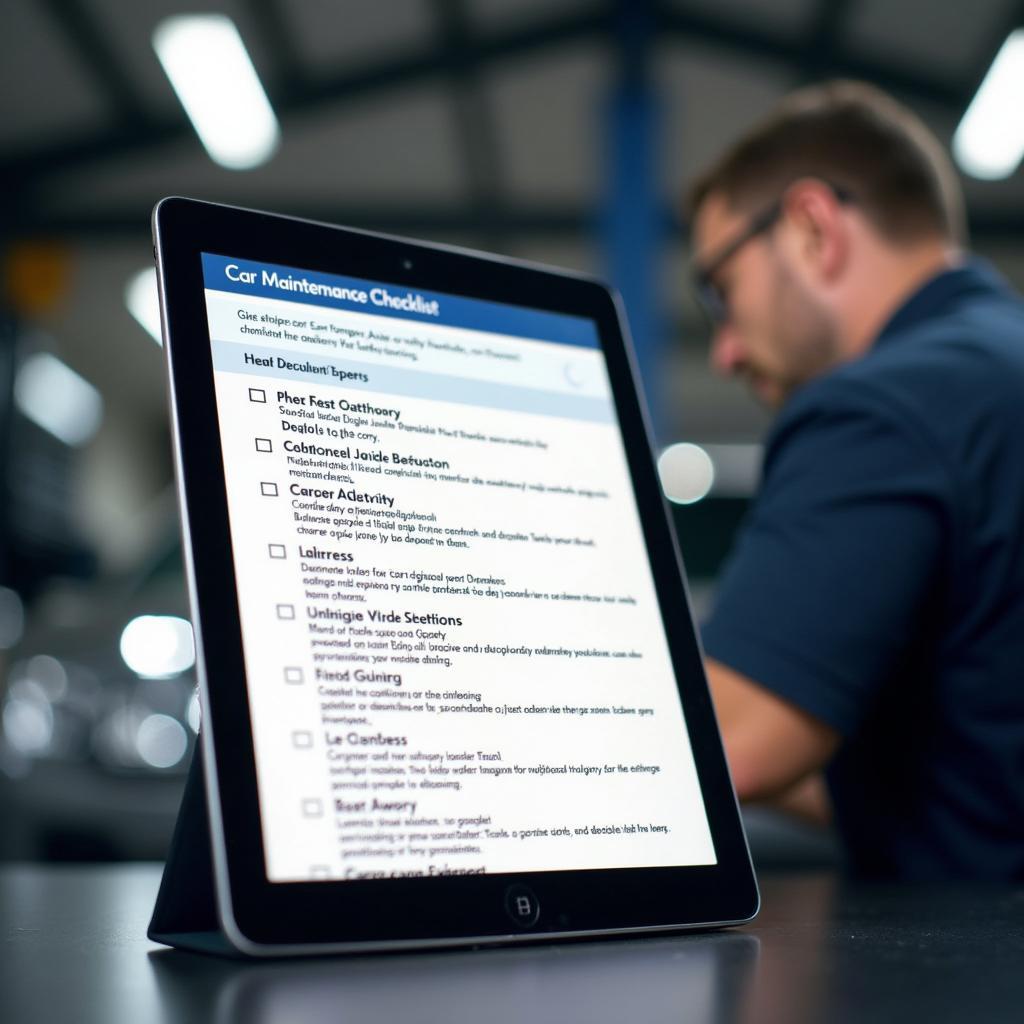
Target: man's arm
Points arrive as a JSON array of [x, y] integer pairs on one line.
[[772, 746]]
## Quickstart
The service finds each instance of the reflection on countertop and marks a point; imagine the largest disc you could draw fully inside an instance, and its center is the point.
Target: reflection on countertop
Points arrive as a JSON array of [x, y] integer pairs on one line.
[[822, 949]]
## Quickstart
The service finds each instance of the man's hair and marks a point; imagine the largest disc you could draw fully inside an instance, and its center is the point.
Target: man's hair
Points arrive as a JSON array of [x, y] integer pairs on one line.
[[851, 135]]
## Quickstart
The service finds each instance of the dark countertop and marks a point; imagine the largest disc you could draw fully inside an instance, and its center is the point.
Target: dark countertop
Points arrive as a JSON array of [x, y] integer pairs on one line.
[[74, 949]]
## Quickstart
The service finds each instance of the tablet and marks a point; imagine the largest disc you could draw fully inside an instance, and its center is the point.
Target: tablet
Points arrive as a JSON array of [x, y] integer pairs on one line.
[[451, 687]]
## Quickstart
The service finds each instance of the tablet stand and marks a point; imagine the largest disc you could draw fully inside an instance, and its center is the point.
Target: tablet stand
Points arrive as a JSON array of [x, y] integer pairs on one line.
[[185, 914]]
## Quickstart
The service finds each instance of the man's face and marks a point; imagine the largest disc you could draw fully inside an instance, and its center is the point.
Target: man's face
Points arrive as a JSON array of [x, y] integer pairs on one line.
[[778, 334]]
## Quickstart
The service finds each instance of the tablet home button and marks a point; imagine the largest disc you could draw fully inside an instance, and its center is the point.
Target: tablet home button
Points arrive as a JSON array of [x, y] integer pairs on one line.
[[521, 905]]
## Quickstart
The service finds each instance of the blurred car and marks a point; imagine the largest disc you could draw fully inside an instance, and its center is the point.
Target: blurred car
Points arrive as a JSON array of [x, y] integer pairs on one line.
[[99, 716]]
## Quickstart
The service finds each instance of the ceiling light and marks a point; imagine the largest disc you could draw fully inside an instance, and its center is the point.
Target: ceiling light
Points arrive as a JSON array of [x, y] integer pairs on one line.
[[143, 302], [989, 141], [211, 72], [55, 398]]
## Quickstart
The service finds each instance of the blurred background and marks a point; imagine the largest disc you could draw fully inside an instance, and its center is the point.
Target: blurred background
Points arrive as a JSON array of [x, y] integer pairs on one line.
[[561, 131]]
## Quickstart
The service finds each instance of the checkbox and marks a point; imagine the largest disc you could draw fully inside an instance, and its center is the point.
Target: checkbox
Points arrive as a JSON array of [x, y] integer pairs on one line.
[[277, 551], [263, 444], [302, 739], [286, 611], [312, 808], [319, 871], [293, 676], [258, 395], [268, 490]]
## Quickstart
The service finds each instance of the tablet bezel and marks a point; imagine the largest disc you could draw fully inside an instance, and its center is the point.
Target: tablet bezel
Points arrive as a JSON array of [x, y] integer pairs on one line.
[[262, 916]]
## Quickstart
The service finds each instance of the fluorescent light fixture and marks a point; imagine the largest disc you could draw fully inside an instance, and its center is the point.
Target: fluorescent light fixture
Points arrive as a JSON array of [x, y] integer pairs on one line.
[[989, 141], [686, 473], [211, 72], [55, 398], [158, 646], [143, 302]]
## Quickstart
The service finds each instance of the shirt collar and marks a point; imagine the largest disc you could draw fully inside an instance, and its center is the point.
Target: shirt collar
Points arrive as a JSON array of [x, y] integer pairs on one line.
[[943, 292]]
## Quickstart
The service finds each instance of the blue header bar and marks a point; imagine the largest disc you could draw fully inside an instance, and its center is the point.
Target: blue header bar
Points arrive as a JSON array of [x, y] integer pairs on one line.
[[223, 274]]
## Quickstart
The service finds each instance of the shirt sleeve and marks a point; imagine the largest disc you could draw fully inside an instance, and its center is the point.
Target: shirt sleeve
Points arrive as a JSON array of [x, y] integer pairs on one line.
[[843, 549]]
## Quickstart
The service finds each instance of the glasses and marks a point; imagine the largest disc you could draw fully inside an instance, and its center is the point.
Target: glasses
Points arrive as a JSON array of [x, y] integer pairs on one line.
[[709, 294]]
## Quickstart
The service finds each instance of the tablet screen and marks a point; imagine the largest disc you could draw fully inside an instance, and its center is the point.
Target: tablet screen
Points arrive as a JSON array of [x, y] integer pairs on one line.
[[455, 655]]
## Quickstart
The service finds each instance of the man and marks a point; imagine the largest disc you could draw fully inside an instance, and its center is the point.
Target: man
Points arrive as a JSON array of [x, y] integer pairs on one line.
[[871, 620]]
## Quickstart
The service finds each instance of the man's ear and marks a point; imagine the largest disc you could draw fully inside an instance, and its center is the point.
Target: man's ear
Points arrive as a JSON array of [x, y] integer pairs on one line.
[[820, 231]]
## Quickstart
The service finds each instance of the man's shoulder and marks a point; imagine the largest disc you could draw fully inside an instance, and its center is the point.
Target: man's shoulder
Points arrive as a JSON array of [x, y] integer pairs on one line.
[[984, 337], [938, 376]]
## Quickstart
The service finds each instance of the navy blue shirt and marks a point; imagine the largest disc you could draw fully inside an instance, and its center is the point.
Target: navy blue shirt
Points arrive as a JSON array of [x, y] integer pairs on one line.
[[879, 582]]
